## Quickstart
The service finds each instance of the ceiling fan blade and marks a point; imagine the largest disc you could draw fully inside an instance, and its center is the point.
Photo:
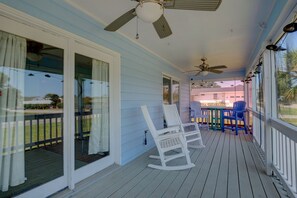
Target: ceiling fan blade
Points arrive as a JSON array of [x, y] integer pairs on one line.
[[215, 71], [122, 20], [218, 67], [191, 71], [162, 27], [203, 5]]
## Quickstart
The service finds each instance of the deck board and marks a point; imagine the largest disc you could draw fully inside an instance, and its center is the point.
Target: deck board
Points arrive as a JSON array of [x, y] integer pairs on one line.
[[210, 184], [201, 179], [233, 185], [255, 181], [243, 176], [222, 179], [266, 181], [190, 179], [229, 166]]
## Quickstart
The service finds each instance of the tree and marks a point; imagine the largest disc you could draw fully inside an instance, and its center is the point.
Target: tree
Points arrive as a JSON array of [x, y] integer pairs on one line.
[[54, 98], [287, 80]]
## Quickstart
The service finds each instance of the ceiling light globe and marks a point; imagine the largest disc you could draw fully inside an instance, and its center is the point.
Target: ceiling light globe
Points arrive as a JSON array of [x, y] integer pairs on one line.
[[204, 73], [149, 11], [33, 56]]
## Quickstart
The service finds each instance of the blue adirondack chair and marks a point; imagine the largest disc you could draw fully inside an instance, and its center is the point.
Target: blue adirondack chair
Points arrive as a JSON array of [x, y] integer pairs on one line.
[[235, 116]]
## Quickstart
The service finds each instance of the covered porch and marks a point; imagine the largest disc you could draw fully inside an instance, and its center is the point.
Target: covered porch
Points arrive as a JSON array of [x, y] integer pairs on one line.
[[229, 166], [262, 163]]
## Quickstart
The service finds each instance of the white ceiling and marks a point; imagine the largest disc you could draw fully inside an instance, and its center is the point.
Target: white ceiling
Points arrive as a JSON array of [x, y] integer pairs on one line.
[[227, 36]]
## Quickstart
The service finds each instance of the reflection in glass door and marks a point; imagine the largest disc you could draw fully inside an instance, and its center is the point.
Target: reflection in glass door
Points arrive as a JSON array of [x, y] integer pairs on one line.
[[31, 114], [92, 133]]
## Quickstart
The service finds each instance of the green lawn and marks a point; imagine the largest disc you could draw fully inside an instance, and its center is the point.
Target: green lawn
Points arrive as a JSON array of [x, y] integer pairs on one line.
[[287, 111], [48, 131]]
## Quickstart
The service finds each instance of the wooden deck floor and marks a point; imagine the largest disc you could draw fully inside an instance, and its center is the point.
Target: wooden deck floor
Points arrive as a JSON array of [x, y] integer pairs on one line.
[[229, 166]]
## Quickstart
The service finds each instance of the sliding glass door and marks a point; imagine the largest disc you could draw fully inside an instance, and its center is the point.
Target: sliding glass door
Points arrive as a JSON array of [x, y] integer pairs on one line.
[[57, 97], [92, 110], [31, 114]]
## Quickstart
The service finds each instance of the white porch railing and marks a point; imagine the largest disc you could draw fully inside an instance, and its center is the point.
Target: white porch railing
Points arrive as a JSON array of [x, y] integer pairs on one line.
[[283, 148]]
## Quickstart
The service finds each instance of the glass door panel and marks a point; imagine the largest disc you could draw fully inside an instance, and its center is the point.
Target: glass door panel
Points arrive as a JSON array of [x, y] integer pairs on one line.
[[31, 114], [92, 131], [175, 93], [166, 90]]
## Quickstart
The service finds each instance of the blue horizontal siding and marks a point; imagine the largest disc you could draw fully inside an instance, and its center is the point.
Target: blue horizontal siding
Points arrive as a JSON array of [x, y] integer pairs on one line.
[[141, 71]]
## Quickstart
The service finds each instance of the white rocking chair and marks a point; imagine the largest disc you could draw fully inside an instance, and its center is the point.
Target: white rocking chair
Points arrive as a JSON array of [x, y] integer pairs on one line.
[[192, 136], [166, 140]]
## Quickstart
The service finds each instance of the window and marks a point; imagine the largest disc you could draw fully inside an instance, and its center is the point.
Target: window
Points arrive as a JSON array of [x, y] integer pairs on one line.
[[259, 90], [286, 78], [166, 90], [217, 93], [170, 91], [250, 94]]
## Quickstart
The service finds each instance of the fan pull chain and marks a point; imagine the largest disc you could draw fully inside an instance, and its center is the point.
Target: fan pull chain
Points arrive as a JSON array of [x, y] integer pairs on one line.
[[137, 35]]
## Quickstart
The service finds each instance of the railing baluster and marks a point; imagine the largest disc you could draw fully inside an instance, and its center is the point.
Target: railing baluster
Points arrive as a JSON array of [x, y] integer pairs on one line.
[[37, 131], [62, 124], [273, 147], [31, 133], [294, 173], [279, 151], [290, 163], [50, 128], [25, 131], [283, 154], [44, 130], [285, 158], [56, 130]]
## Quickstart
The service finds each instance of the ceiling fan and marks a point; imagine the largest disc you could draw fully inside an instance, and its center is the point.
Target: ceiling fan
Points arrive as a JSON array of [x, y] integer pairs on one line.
[[204, 68], [151, 11], [36, 51]]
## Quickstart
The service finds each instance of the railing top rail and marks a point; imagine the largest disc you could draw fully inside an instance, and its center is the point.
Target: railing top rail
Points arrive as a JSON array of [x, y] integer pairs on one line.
[[283, 127]]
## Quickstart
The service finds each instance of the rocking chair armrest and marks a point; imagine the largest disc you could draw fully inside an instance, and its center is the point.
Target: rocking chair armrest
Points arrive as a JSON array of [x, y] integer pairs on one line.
[[169, 135], [168, 130], [190, 124]]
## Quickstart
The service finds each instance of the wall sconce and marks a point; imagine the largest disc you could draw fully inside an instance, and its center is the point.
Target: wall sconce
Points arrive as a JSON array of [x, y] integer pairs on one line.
[[275, 48], [291, 27], [271, 47], [259, 64]]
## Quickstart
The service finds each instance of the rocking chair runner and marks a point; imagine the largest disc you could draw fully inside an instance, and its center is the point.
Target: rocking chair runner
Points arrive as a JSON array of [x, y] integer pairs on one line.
[[192, 136], [167, 140]]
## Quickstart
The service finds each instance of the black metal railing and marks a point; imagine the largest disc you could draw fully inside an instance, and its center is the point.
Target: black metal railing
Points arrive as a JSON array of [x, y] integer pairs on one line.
[[47, 129]]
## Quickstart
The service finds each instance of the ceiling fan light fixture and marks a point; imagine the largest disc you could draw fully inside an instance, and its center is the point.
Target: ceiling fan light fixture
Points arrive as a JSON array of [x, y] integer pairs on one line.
[[204, 73], [33, 56], [149, 11]]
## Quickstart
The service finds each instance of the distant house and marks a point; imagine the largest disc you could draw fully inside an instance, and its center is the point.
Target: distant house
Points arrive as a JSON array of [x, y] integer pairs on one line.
[[222, 96], [37, 100]]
